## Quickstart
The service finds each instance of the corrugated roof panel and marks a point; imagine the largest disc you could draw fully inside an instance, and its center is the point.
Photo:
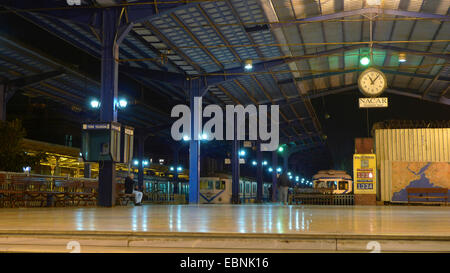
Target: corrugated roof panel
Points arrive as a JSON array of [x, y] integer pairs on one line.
[[207, 35]]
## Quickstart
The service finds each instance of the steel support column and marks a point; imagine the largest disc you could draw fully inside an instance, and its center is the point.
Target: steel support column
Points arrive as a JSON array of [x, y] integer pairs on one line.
[[259, 173], [87, 170], [274, 175], [108, 95], [235, 166], [194, 146], [285, 161], [141, 147], [176, 162]]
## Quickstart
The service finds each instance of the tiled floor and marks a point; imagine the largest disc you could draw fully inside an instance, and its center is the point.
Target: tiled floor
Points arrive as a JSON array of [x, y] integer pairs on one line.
[[332, 220]]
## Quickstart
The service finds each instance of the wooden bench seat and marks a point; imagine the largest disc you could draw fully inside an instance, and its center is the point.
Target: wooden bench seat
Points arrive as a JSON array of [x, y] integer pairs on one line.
[[427, 193], [122, 196]]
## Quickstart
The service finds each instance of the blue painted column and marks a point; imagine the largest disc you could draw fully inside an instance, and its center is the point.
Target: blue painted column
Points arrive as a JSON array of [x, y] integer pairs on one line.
[[141, 147], [259, 173], [274, 175], [285, 161], [108, 95], [176, 163], [194, 147], [235, 167]]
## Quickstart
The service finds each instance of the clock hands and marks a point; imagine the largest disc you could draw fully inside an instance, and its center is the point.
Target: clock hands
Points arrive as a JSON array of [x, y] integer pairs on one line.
[[372, 82], [375, 79]]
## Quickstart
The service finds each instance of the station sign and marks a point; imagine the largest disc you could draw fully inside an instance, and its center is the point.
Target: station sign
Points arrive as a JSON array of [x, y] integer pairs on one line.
[[373, 102], [364, 173]]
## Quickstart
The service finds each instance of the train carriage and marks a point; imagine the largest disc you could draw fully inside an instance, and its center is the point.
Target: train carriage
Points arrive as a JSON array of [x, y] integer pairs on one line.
[[339, 181]]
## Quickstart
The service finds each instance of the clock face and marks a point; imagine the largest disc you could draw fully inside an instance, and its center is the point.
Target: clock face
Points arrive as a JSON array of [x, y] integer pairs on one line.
[[372, 82]]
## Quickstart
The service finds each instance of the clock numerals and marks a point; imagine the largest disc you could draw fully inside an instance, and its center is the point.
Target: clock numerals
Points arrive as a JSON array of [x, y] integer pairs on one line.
[[372, 82]]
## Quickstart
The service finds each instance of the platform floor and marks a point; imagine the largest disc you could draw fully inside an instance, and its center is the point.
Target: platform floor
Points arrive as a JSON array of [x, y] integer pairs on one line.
[[242, 228]]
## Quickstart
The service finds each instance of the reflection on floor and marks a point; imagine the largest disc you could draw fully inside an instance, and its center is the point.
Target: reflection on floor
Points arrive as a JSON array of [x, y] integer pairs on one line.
[[189, 224]]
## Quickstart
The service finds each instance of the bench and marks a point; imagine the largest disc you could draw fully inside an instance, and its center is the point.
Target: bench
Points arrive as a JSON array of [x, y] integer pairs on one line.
[[424, 193], [122, 196]]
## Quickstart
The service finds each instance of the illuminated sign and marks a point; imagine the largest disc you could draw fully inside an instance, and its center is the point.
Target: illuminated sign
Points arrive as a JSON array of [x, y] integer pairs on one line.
[[365, 173]]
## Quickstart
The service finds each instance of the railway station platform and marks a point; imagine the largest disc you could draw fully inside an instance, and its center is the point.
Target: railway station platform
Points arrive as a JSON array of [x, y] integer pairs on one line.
[[226, 228]]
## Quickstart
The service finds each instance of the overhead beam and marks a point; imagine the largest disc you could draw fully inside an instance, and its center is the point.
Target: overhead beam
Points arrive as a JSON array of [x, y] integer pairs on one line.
[[137, 11], [441, 99], [328, 74], [23, 82], [362, 11]]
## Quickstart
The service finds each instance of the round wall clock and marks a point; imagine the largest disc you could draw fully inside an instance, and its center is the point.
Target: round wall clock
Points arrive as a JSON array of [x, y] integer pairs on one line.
[[372, 82]]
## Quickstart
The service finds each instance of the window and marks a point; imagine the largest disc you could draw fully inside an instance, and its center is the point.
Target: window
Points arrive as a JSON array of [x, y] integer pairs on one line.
[[240, 187], [254, 188], [247, 187], [220, 185], [203, 185], [332, 184], [210, 185], [343, 185]]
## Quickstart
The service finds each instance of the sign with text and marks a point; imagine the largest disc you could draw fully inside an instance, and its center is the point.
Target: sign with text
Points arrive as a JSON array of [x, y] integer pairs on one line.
[[373, 102], [364, 173]]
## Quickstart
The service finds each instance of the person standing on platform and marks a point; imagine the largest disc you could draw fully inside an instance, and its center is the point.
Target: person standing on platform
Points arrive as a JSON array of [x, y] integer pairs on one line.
[[283, 188], [131, 188]]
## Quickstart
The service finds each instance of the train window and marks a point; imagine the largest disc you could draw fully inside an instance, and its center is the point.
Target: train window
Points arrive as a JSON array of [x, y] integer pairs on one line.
[[343, 185], [220, 185], [247, 187], [254, 187], [321, 184], [332, 184], [203, 185], [240, 187], [210, 185]]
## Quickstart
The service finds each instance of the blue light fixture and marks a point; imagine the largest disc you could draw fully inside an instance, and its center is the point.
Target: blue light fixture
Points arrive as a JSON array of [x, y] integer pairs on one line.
[[136, 162], [242, 152], [186, 138], [254, 163], [95, 103], [122, 103], [270, 169], [264, 162], [179, 169], [279, 170], [171, 168]]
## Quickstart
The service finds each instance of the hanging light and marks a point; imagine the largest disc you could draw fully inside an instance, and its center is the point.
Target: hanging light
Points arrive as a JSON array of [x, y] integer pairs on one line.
[[402, 57], [365, 61], [248, 65]]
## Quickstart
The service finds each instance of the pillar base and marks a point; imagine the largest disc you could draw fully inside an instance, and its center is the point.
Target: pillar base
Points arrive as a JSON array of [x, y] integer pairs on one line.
[[366, 199]]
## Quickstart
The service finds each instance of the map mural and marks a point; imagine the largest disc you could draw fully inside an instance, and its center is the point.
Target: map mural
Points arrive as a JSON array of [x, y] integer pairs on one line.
[[418, 175]]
